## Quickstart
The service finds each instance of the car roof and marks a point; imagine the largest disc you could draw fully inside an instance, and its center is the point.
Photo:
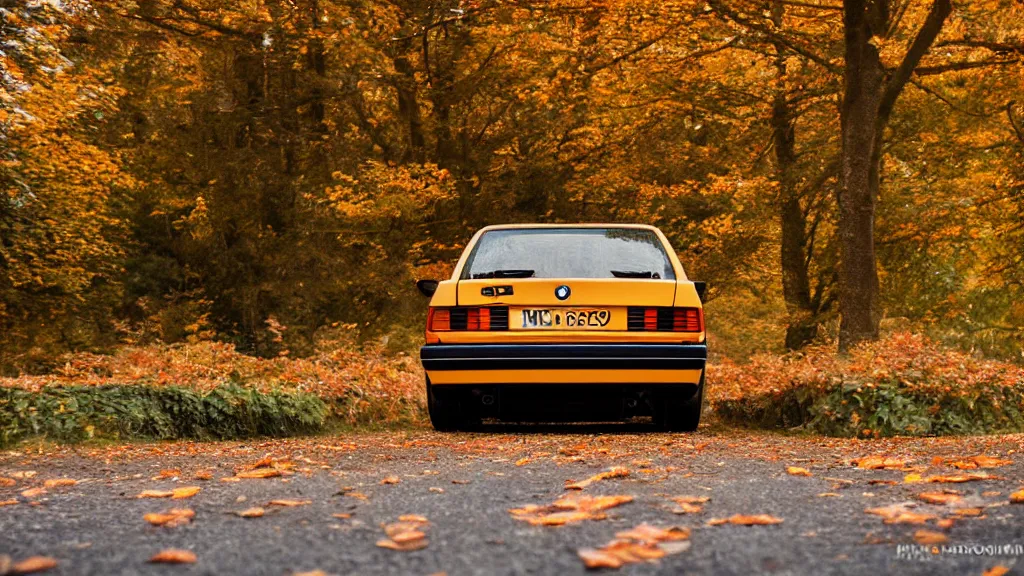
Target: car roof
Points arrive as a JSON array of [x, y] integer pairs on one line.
[[594, 225]]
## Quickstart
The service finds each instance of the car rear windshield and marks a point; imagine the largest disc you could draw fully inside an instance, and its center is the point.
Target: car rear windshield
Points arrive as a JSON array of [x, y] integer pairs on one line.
[[569, 253]]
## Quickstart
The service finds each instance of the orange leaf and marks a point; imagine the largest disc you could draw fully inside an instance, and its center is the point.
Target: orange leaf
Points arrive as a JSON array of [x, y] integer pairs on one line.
[[34, 564], [10, 502], [7, 482], [391, 480], [173, 556], [1017, 497], [155, 494], [33, 493], [595, 559], [259, 473], [59, 482], [959, 478], [798, 471], [880, 463], [413, 518], [255, 512], [171, 518], [615, 472], [289, 503], [928, 537], [997, 570], [754, 519], [185, 492], [939, 497]]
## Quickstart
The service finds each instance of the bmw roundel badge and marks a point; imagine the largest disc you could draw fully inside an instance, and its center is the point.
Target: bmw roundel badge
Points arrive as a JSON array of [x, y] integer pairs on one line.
[[562, 292]]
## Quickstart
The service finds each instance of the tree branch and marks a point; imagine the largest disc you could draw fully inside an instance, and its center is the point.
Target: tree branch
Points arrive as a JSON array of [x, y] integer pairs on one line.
[[922, 42]]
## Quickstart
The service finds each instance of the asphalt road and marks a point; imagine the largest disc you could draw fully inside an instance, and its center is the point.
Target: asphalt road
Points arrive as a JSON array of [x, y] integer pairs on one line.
[[464, 485]]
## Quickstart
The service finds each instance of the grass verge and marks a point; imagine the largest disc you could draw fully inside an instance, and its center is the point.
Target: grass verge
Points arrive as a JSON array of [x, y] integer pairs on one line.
[[76, 413]]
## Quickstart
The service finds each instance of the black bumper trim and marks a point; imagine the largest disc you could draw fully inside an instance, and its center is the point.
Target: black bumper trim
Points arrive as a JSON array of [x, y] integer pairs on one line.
[[564, 356]]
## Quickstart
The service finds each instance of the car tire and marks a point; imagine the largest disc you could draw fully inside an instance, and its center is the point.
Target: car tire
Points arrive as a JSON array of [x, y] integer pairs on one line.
[[444, 411], [683, 415]]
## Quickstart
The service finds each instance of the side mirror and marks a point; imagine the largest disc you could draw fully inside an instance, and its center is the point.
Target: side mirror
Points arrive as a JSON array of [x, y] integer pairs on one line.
[[701, 287], [427, 287]]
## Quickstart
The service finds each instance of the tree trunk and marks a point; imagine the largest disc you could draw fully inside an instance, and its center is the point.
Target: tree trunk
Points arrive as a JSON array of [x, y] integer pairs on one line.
[[861, 143], [802, 325], [868, 100]]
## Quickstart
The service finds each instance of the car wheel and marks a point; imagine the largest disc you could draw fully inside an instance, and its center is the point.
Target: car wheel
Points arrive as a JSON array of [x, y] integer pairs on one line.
[[444, 411], [680, 415]]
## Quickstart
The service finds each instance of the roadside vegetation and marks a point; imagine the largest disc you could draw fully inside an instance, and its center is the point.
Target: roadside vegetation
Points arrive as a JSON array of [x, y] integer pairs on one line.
[[208, 390], [904, 385]]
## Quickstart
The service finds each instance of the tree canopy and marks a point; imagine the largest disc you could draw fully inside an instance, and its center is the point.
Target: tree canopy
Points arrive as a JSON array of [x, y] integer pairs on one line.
[[268, 172]]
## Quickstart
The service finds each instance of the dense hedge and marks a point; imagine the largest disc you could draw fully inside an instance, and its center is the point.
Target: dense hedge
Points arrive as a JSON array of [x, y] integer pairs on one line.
[[75, 413], [904, 385]]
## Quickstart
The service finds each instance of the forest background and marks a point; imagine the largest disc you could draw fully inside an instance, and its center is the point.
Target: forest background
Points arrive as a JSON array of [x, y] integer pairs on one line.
[[264, 180]]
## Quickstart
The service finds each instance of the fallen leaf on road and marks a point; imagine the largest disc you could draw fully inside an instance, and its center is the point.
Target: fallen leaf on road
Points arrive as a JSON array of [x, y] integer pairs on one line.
[[259, 473], [648, 534], [436, 490], [641, 544], [523, 461], [798, 471], [753, 519], [882, 482], [59, 482], [998, 570], [568, 509], [7, 482], [185, 492], [10, 502], [939, 497], [167, 473], [900, 514], [615, 472], [959, 478], [24, 474], [310, 573], [342, 515], [286, 503], [33, 565], [203, 475], [928, 537], [969, 512], [155, 494], [1017, 497], [391, 480], [256, 512], [171, 518], [691, 499], [173, 556], [460, 481], [829, 495], [944, 523], [684, 508], [880, 463], [33, 492], [405, 535], [980, 461]]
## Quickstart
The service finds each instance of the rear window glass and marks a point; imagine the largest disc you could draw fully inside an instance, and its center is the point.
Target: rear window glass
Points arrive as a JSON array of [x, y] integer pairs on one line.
[[569, 253]]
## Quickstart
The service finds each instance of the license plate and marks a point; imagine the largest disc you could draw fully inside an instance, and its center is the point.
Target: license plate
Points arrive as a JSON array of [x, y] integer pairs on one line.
[[564, 319]]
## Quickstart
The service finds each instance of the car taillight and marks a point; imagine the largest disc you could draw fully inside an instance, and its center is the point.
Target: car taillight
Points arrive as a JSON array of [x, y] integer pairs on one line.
[[439, 320], [459, 318], [662, 319]]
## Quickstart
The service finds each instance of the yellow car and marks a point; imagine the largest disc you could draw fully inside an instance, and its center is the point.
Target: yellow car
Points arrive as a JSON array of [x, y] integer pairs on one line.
[[594, 322]]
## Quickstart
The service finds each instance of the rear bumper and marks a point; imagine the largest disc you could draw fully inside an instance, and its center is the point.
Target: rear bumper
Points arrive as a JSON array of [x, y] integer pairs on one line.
[[564, 363]]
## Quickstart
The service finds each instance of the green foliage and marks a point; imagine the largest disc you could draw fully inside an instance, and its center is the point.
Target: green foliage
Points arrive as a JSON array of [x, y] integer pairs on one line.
[[902, 386], [75, 413]]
